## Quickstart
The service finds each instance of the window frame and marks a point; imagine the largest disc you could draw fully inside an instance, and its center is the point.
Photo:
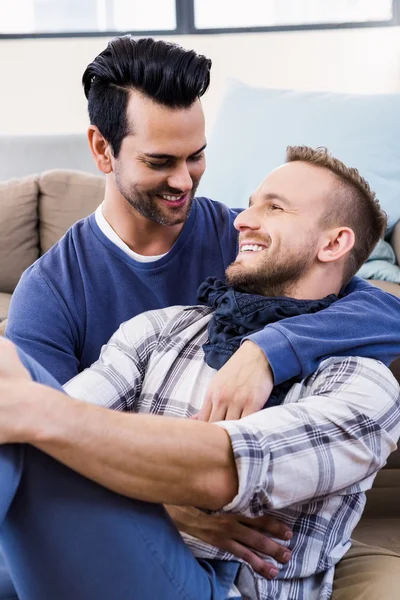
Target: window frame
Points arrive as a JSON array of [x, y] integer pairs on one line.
[[185, 25]]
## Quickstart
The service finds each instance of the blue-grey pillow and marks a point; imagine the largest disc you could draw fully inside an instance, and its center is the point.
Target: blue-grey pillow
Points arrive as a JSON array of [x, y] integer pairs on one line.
[[255, 125], [381, 264], [380, 269]]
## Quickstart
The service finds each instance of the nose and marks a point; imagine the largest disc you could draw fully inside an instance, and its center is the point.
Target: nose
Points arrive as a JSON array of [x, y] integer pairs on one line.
[[248, 219], [181, 179]]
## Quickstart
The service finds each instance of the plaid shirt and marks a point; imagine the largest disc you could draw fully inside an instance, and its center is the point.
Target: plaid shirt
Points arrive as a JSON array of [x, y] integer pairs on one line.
[[307, 462]]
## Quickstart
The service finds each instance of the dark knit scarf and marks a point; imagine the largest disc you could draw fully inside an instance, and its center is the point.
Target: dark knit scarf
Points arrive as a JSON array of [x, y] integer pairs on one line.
[[237, 315]]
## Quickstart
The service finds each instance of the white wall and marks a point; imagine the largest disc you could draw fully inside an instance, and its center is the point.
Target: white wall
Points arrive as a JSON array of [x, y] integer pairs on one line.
[[40, 79]]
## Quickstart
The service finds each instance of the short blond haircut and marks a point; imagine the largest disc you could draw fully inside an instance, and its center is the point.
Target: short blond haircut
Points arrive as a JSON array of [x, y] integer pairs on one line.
[[352, 204]]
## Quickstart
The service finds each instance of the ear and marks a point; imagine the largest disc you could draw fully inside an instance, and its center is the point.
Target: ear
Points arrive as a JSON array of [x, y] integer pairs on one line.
[[336, 244], [100, 150]]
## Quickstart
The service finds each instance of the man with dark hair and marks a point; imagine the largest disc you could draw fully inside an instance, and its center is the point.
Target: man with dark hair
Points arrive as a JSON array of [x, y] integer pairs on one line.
[[307, 458], [151, 243]]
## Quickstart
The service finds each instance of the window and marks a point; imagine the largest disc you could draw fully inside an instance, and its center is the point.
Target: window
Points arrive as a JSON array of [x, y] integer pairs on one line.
[[210, 14], [94, 16], [35, 18]]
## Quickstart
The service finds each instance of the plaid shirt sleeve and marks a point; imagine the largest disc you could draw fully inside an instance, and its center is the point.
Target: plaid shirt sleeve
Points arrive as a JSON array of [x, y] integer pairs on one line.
[[332, 434], [115, 379]]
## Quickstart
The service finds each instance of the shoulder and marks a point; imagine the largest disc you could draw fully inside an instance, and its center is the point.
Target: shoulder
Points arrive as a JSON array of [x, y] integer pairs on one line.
[[184, 318], [215, 209], [355, 377], [65, 257], [67, 246], [79, 234], [365, 289]]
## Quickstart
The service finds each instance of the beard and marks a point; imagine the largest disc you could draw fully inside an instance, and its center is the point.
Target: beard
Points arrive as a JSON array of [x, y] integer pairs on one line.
[[273, 276], [148, 204]]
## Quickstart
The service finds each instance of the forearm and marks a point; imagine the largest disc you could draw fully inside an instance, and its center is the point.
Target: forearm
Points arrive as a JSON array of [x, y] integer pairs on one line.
[[141, 456]]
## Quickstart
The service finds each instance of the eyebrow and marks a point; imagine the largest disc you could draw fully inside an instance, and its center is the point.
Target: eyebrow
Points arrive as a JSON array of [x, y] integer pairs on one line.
[[169, 156], [271, 196]]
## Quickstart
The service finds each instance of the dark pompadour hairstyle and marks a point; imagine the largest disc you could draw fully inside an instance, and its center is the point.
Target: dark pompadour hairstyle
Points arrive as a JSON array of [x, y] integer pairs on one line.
[[165, 72]]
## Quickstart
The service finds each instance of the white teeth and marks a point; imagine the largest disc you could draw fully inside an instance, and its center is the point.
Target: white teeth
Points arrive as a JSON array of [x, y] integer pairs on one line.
[[171, 198], [251, 248]]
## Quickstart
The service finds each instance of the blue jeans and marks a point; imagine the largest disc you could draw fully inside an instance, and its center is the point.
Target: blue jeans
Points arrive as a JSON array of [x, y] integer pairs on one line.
[[65, 537]]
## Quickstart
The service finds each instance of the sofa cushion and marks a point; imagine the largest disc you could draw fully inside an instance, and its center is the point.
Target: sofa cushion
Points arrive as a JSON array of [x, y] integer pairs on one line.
[[384, 533], [383, 497], [255, 125], [65, 197], [19, 239], [393, 462]]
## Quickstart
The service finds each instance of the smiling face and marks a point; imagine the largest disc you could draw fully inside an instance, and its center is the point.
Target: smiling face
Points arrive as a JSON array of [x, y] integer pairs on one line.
[[160, 164], [280, 232]]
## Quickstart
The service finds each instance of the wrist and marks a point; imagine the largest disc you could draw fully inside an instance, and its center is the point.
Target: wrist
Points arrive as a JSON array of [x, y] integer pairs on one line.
[[41, 406], [259, 355]]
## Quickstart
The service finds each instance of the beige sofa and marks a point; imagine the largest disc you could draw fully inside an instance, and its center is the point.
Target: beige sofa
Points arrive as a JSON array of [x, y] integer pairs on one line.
[[37, 210]]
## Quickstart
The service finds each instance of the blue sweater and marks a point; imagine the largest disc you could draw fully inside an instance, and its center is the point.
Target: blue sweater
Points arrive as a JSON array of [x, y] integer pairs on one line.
[[37, 372], [69, 303]]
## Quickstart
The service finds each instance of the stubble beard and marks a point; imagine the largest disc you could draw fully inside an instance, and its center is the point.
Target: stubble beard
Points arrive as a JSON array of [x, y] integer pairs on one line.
[[271, 278], [148, 205]]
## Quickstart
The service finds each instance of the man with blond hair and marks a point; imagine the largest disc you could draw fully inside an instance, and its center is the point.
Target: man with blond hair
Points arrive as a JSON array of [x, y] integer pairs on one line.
[[152, 242], [306, 458]]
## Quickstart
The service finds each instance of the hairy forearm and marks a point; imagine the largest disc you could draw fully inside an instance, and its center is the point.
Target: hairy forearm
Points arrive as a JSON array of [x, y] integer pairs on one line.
[[147, 457]]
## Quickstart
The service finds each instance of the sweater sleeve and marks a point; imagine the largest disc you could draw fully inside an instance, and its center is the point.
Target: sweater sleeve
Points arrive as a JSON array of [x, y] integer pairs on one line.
[[366, 322], [39, 323], [37, 372]]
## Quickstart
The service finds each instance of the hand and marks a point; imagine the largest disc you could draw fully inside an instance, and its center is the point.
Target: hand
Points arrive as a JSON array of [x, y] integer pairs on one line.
[[237, 535], [11, 366], [14, 385], [240, 388]]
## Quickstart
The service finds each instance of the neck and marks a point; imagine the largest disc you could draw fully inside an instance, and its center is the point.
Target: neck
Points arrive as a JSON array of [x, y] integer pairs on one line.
[[321, 281], [139, 233]]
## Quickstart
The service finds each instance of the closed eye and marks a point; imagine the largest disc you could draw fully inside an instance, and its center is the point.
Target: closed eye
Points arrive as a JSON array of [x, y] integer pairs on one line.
[[196, 157], [167, 163], [154, 165], [276, 207]]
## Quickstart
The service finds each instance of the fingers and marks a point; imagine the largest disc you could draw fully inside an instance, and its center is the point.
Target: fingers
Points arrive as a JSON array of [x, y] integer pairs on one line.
[[233, 413], [261, 567], [8, 349], [205, 411], [261, 543], [269, 525], [10, 363], [212, 410], [215, 410], [218, 413]]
